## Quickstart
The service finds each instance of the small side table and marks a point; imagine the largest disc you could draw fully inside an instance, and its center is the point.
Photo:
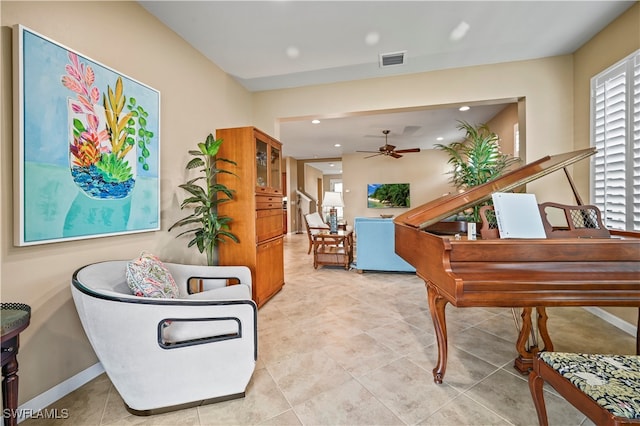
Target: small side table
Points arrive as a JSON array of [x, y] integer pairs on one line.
[[15, 318], [333, 249]]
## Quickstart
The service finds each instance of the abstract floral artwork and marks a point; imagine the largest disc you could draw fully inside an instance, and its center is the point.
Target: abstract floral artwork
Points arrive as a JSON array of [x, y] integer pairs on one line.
[[87, 145]]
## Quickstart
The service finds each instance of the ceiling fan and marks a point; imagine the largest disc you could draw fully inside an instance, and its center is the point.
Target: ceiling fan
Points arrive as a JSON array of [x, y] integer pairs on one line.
[[390, 150]]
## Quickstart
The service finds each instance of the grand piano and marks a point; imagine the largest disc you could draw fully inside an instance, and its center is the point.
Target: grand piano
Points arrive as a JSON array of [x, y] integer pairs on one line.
[[571, 267]]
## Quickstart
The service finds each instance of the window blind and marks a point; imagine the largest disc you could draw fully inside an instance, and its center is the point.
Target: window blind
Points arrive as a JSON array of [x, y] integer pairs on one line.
[[615, 133]]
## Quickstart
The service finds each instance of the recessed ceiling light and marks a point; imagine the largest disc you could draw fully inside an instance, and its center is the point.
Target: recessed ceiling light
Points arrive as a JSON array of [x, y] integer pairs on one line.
[[459, 31], [464, 108], [315, 121], [331, 164], [439, 138], [293, 52], [337, 145], [372, 38]]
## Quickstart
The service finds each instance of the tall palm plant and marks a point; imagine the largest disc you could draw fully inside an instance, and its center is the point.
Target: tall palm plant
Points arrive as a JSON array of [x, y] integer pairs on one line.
[[209, 228], [477, 159]]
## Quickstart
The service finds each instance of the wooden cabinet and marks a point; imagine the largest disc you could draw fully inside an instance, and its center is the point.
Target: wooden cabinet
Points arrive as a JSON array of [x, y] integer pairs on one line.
[[256, 209]]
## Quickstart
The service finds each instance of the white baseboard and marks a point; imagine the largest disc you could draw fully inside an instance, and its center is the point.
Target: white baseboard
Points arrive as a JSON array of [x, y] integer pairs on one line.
[[32, 407], [613, 320]]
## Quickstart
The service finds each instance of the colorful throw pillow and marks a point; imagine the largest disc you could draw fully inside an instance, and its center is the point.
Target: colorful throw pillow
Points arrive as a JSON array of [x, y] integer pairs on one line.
[[147, 276]]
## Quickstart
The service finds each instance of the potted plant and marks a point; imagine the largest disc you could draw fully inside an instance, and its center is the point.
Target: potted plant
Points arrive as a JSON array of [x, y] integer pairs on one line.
[[476, 160], [209, 228]]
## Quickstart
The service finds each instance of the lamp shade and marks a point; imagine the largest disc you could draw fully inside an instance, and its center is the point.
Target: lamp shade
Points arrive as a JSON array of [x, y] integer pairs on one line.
[[332, 199]]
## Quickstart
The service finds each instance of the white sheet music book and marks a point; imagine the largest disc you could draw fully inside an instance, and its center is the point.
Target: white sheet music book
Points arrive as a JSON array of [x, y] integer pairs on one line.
[[518, 215]]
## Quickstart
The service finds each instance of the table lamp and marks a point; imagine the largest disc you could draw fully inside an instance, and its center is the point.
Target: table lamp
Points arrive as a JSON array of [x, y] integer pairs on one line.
[[332, 200]]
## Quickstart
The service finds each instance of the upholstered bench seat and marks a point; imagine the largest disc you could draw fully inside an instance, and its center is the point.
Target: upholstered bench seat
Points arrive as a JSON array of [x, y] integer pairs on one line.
[[606, 388]]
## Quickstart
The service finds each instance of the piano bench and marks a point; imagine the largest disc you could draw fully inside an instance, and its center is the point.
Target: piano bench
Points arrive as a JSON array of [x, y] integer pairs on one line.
[[605, 388]]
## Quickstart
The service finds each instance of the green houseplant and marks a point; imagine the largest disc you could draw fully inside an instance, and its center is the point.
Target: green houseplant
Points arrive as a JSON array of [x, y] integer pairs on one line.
[[476, 160], [207, 227]]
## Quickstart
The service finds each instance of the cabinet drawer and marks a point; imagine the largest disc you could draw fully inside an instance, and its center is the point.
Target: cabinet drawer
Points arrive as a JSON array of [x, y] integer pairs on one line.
[[268, 190], [268, 224], [264, 202]]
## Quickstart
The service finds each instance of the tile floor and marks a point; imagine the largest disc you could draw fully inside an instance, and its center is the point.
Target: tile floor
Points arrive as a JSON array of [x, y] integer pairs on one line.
[[341, 348]]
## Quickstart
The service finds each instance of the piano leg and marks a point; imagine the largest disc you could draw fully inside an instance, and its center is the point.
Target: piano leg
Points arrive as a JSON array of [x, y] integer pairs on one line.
[[542, 327], [524, 362], [437, 305]]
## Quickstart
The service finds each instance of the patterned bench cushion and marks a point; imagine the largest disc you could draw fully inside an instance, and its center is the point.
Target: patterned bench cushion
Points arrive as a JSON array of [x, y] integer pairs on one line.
[[613, 381]]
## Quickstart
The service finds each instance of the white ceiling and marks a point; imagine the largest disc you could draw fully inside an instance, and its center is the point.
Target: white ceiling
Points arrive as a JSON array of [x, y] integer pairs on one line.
[[256, 43]]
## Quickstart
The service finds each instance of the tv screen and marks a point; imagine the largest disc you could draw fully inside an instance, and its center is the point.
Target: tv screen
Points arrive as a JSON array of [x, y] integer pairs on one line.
[[387, 195]]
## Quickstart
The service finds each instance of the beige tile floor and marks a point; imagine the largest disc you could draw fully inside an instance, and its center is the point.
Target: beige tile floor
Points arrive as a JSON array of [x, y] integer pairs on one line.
[[341, 348]]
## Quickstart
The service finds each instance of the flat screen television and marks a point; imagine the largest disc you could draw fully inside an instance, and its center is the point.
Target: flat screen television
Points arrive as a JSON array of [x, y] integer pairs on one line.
[[387, 195]]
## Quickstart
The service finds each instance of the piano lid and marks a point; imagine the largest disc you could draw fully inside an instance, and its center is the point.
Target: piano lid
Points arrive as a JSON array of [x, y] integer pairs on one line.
[[443, 207]]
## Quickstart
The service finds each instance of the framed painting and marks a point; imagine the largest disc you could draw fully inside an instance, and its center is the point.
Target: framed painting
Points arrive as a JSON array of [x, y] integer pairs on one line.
[[87, 146]]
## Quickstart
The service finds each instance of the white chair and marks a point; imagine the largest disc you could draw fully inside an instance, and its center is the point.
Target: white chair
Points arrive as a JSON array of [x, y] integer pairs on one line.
[[163, 354], [314, 224]]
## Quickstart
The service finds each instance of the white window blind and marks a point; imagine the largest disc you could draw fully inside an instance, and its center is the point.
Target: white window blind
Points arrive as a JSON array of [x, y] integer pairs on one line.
[[615, 133]]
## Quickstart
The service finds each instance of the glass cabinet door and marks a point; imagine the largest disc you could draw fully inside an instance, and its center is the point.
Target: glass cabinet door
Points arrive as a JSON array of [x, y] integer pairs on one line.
[[275, 169], [262, 152]]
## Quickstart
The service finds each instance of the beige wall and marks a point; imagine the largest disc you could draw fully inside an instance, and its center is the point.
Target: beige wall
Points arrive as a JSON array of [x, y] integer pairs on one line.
[[612, 44], [311, 176], [502, 124], [291, 167], [196, 98]]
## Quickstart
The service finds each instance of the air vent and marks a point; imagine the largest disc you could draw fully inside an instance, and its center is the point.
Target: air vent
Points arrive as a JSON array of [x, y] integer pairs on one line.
[[391, 59]]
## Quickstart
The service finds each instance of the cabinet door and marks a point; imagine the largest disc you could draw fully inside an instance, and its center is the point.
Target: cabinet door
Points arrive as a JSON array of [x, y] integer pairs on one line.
[[269, 270], [275, 181], [262, 164]]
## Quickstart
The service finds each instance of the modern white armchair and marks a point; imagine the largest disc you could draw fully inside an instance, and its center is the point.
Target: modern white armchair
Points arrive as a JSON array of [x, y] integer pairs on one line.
[[163, 354]]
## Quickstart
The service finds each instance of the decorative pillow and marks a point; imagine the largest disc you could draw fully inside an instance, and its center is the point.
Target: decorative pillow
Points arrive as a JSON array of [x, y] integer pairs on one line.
[[147, 276]]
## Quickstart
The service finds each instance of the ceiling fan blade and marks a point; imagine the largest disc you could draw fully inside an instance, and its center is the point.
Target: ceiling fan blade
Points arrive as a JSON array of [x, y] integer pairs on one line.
[[409, 150], [387, 147], [370, 151], [374, 155], [395, 154]]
